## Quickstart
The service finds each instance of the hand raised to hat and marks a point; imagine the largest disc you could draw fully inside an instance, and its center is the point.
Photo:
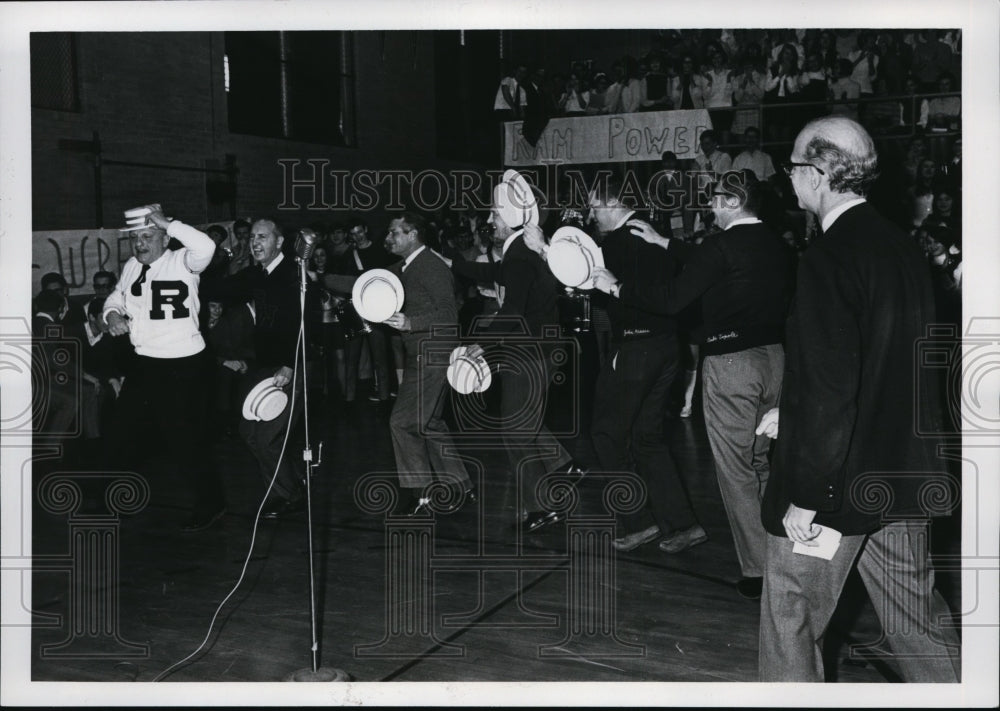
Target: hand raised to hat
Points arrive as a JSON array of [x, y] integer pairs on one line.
[[399, 321], [645, 232], [283, 377], [534, 239], [157, 217]]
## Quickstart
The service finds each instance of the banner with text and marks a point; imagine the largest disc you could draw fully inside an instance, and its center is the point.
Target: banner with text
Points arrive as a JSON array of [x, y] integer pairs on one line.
[[614, 138], [77, 254]]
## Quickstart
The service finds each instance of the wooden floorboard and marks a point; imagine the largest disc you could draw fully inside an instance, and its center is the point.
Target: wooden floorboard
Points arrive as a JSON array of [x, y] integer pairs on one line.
[[677, 618]]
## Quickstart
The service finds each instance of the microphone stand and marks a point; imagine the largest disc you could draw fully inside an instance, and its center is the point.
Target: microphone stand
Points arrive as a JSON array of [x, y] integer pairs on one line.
[[316, 673]]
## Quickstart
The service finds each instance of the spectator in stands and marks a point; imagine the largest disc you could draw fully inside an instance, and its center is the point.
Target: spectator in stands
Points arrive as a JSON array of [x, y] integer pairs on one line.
[[655, 90], [631, 97], [893, 62], [826, 47], [930, 58], [864, 63], [538, 109], [574, 99], [845, 88], [921, 193], [239, 246], [786, 38], [916, 151], [510, 98], [945, 210], [814, 85], [598, 99], [782, 87], [911, 114], [754, 159], [687, 91], [942, 113], [748, 90], [718, 90], [882, 117], [711, 159]]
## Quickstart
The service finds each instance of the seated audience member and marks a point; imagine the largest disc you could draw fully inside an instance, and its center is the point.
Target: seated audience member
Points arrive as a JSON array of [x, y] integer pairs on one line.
[[229, 333], [748, 91], [864, 63], [921, 193], [631, 96], [104, 360], [883, 117], [54, 281], [711, 158], [753, 158], [942, 113]]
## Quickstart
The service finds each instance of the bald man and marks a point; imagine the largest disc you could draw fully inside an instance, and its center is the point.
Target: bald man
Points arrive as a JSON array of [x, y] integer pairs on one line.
[[848, 458]]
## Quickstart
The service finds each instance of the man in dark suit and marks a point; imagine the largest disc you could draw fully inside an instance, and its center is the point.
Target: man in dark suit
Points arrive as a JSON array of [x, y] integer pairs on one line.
[[528, 309], [271, 286], [632, 388], [742, 276], [420, 437], [848, 457]]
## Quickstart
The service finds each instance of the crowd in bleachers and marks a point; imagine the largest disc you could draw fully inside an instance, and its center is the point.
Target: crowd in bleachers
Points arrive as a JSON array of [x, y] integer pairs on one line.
[[735, 72]]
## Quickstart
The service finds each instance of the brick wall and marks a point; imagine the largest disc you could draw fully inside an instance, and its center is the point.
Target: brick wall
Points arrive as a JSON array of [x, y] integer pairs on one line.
[[159, 98]]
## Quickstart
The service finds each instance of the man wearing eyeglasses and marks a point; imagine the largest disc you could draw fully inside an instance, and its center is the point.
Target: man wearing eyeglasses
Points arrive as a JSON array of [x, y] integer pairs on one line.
[[848, 457], [743, 277]]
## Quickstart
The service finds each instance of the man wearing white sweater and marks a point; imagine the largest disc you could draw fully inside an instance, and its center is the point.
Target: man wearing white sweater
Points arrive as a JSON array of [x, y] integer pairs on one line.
[[162, 400]]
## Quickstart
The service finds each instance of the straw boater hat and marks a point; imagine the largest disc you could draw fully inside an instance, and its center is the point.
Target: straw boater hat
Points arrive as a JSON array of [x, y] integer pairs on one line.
[[265, 401], [138, 217]]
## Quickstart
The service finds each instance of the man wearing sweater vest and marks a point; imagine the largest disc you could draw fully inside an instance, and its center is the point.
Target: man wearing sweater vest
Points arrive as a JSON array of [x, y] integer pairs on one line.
[[743, 277], [156, 304], [420, 438]]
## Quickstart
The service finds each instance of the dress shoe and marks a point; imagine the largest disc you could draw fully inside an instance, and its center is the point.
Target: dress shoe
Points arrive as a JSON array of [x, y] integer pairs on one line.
[[202, 521], [283, 508], [682, 540], [750, 588], [462, 499], [421, 509], [540, 519], [634, 540]]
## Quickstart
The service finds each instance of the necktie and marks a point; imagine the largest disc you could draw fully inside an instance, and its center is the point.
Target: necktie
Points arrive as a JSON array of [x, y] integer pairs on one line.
[[137, 284]]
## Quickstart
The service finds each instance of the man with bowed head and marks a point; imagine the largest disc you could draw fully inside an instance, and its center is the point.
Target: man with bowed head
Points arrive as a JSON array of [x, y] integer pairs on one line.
[[162, 401], [863, 301]]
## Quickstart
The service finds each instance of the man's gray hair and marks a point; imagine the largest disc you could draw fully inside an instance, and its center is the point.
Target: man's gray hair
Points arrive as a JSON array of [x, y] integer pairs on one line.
[[846, 152]]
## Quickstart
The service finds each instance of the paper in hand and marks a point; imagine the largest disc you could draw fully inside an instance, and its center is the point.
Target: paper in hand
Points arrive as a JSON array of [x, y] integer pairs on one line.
[[828, 540]]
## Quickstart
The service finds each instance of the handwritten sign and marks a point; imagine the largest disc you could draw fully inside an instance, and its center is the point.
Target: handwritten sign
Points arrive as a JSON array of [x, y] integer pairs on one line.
[[77, 254], [612, 138]]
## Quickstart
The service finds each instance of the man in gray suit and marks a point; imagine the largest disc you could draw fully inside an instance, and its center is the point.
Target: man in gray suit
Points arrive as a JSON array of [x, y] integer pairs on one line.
[[420, 437], [848, 457]]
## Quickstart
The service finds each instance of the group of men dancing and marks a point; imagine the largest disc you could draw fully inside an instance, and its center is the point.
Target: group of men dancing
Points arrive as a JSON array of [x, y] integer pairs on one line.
[[839, 370]]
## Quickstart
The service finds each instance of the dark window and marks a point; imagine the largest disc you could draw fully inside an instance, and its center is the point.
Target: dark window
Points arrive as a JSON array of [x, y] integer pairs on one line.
[[53, 71], [296, 85]]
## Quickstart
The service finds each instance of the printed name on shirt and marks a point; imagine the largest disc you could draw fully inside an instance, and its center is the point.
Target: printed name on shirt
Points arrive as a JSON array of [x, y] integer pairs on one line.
[[722, 337]]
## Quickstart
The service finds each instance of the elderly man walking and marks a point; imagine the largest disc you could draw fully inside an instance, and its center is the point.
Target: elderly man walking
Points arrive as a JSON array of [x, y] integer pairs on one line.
[[863, 300]]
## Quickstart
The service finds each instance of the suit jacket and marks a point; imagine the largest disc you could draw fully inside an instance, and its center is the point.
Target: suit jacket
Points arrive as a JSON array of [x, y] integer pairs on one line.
[[277, 311], [847, 426], [530, 290], [429, 297]]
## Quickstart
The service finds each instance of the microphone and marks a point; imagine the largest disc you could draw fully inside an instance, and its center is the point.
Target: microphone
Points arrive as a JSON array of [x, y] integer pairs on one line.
[[305, 244]]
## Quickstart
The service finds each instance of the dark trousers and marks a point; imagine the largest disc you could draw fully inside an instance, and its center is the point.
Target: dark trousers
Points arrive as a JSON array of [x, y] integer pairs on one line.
[[265, 440], [163, 403], [629, 402], [532, 451]]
